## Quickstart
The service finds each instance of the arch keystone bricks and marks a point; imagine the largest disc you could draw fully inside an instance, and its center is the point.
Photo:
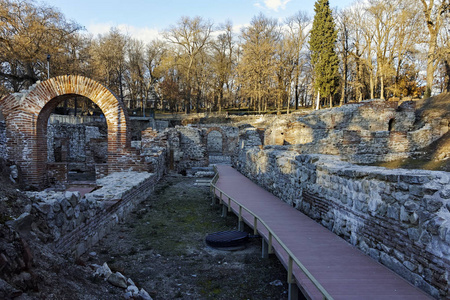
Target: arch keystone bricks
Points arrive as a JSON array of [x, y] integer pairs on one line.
[[26, 115]]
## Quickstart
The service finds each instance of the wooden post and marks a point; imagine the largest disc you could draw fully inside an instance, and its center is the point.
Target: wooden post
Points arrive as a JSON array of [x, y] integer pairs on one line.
[[224, 211], [240, 223], [293, 292], [264, 248]]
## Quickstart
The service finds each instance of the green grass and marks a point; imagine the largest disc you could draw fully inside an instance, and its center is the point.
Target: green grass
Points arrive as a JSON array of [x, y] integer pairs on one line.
[[177, 213]]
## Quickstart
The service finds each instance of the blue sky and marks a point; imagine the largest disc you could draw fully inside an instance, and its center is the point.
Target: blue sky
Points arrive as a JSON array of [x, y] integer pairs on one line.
[[143, 19]]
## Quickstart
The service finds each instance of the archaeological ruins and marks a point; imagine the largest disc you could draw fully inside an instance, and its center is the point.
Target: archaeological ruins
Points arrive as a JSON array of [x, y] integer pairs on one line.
[[317, 162]]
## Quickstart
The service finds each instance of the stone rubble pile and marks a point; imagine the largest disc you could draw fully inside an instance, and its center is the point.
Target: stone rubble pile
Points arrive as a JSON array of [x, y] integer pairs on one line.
[[119, 280]]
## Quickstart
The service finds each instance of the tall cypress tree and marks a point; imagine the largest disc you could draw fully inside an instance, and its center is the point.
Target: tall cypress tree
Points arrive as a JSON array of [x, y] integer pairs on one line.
[[323, 55]]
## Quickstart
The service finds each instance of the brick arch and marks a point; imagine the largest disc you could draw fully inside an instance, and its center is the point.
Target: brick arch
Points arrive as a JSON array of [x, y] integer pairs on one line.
[[26, 115]]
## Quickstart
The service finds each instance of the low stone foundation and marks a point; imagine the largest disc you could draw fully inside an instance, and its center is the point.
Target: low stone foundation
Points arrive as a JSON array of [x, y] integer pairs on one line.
[[76, 223], [400, 218]]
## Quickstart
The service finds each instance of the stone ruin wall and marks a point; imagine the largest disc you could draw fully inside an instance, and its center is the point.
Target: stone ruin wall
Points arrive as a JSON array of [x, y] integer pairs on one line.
[[81, 145], [188, 145], [400, 218], [74, 223], [360, 133], [3, 149]]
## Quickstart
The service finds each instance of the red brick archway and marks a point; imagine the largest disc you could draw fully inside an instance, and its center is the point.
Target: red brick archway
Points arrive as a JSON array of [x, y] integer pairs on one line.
[[26, 115]]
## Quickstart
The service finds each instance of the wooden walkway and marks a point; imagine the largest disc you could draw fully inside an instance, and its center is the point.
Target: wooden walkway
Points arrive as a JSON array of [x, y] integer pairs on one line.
[[340, 268]]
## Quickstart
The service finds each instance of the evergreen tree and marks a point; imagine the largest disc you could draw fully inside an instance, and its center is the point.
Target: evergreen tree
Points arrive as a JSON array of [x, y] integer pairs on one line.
[[323, 56]]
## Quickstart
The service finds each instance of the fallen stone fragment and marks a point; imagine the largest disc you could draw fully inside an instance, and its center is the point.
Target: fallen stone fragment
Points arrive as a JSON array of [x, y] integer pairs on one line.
[[130, 282], [276, 283], [144, 295], [117, 279], [133, 289], [103, 271]]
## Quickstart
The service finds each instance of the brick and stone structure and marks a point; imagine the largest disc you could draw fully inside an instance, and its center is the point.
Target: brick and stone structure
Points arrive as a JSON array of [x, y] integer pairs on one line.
[[26, 115]]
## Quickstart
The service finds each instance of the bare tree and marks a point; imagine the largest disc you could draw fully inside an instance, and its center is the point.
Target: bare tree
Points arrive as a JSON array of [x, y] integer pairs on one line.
[[108, 60], [296, 35], [256, 68], [190, 36], [222, 60], [433, 14], [28, 33]]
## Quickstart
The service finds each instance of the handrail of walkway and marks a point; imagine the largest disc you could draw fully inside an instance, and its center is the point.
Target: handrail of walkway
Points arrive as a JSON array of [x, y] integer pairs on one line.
[[272, 235]]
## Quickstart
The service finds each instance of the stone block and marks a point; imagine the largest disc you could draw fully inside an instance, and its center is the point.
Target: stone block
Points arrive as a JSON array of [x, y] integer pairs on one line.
[[69, 212], [413, 234], [425, 238], [434, 225], [411, 206], [72, 197], [65, 204], [80, 250], [393, 212], [433, 203]]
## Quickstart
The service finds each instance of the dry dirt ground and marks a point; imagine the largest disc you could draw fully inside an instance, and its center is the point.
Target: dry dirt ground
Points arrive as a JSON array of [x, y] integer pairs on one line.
[[161, 248]]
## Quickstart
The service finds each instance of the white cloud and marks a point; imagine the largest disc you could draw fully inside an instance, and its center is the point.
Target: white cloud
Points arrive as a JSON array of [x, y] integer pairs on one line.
[[144, 34], [274, 5]]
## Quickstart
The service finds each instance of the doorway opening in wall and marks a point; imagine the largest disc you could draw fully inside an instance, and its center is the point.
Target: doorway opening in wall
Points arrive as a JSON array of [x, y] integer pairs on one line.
[[77, 135], [214, 143]]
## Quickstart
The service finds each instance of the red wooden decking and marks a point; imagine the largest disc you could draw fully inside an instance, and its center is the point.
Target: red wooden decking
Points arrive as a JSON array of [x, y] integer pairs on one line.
[[343, 270]]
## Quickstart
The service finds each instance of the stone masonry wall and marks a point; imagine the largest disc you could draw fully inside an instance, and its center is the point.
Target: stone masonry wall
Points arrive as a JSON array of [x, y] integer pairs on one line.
[[361, 133], [186, 148], [400, 218], [188, 145], [76, 223], [3, 150], [81, 145]]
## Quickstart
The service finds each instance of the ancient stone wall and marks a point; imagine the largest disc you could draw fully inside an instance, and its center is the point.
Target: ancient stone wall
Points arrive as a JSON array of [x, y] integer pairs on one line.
[[400, 218], [75, 223], [81, 145], [361, 133], [186, 148], [188, 145], [3, 142]]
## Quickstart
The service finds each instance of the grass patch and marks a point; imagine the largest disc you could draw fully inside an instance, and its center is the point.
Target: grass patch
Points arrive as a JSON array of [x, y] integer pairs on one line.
[[177, 214]]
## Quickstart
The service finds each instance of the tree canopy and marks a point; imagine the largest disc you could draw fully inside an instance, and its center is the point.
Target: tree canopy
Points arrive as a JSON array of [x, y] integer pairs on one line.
[[373, 49]]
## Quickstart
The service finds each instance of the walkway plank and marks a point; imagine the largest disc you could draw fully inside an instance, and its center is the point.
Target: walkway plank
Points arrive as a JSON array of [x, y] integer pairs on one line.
[[343, 270]]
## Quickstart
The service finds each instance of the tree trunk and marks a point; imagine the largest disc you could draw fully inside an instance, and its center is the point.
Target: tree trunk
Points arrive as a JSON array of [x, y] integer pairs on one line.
[[430, 69], [318, 100], [371, 86], [447, 76]]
